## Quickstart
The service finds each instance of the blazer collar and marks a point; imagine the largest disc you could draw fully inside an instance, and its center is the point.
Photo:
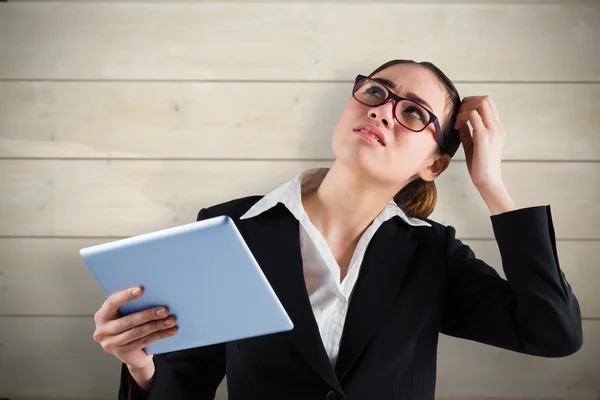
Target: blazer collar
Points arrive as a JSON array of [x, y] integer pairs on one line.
[[386, 263], [290, 195], [273, 238]]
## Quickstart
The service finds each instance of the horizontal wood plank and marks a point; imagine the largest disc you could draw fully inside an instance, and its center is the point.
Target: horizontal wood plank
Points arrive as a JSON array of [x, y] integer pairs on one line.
[[56, 358], [474, 370], [267, 120], [341, 2], [124, 198], [63, 362], [484, 42], [48, 277]]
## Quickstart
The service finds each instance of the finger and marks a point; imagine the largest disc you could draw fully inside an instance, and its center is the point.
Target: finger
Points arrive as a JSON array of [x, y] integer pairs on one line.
[[471, 103], [487, 116], [140, 331], [133, 320], [461, 118], [496, 115], [476, 103], [109, 309], [472, 99], [465, 108], [476, 122], [494, 109], [148, 339]]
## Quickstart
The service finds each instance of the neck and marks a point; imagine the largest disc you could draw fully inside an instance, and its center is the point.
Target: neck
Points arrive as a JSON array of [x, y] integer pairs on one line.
[[345, 203]]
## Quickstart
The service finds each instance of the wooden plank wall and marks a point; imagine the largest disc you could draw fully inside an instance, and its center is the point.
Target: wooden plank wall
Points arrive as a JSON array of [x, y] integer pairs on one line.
[[118, 118]]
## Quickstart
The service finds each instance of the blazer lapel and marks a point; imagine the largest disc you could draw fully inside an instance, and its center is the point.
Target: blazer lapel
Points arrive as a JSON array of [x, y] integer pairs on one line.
[[274, 240], [384, 267]]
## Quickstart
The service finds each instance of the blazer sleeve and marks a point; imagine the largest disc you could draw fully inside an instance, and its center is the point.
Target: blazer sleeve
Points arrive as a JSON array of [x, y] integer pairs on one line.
[[186, 374], [533, 310]]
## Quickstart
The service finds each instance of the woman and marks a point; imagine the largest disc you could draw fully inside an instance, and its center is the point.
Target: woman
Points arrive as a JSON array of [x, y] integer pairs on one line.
[[370, 285]]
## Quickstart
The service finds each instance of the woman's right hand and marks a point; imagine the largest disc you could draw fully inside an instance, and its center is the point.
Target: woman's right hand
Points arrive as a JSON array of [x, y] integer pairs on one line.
[[125, 337]]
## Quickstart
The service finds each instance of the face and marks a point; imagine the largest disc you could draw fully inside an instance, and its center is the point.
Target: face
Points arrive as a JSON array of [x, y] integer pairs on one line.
[[405, 154]]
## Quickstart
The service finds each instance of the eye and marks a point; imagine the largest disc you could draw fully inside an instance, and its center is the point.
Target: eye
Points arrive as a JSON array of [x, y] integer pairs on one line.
[[415, 112], [375, 91]]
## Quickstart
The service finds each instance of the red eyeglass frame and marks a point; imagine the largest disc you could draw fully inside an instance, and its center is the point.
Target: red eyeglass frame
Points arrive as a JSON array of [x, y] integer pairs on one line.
[[393, 96]]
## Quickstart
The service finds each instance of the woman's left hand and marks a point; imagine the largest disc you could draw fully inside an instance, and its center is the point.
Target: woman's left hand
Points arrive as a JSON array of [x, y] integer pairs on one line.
[[483, 149]]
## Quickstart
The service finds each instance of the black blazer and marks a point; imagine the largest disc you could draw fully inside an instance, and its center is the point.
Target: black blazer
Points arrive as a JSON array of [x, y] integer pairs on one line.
[[414, 283]]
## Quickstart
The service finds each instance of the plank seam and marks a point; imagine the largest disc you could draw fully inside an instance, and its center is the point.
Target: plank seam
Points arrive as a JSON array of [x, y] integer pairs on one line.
[[221, 159], [592, 319], [349, 81], [86, 237]]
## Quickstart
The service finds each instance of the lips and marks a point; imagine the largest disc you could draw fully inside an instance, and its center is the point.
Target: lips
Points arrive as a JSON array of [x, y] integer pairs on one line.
[[373, 131]]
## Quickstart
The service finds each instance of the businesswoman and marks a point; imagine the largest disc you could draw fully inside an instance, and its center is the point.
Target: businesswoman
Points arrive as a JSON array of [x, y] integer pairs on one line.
[[368, 280]]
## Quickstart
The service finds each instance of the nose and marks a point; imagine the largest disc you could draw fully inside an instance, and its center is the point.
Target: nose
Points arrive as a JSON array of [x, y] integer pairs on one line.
[[384, 113]]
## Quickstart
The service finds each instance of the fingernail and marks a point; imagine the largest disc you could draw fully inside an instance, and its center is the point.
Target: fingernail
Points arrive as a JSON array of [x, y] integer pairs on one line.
[[169, 322], [161, 313], [136, 292]]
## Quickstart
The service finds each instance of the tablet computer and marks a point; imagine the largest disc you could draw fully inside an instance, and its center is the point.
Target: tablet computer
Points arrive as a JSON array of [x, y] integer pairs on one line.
[[203, 272]]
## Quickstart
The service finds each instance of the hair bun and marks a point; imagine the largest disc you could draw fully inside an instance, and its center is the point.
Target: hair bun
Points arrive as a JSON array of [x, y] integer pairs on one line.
[[418, 198]]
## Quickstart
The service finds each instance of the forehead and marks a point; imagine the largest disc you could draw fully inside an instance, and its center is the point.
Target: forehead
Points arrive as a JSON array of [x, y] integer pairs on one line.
[[419, 80]]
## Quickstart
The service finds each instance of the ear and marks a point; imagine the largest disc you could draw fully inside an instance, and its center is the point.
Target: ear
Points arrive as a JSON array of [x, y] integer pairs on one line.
[[435, 168]]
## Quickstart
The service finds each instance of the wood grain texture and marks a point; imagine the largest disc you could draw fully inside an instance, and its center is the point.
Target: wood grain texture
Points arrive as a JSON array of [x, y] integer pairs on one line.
[[340, 2], [259, 120], [124, 198], [141, 41], [118, 118], [63, 362], [53, 280]]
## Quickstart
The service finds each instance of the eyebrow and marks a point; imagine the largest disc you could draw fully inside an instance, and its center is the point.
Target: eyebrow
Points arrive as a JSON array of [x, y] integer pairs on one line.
[[409, 95]]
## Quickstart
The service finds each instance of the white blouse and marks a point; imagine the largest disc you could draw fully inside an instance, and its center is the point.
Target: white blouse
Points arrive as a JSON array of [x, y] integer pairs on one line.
[[328, 296]]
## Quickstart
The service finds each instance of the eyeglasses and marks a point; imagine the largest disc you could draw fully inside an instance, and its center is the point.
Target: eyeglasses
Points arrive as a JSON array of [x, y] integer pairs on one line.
[[408, 113]]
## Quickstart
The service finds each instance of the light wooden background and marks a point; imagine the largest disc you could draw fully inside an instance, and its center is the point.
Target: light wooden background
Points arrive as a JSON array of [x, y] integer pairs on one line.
[[119, 118]]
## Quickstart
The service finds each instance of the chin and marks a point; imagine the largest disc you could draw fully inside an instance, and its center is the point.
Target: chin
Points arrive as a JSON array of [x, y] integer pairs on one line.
[[360, 161]]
